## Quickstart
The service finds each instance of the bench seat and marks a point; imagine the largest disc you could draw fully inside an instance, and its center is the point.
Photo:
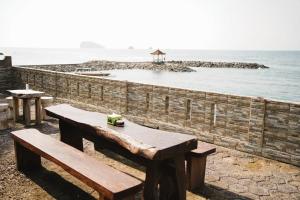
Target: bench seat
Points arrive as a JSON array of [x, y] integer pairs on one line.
[[196, 165], [31, 145]]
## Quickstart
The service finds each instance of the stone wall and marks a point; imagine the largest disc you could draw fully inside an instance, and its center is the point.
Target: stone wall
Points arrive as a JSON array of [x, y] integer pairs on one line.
[[255, 125], [5, 74]]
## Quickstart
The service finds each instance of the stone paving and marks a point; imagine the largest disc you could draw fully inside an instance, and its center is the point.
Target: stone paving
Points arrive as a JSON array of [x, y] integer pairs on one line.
[[252, 177], [230, 175]]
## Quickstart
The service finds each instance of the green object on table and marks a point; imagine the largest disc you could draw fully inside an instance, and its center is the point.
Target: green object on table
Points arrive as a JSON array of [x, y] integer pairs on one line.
[[115, 120]]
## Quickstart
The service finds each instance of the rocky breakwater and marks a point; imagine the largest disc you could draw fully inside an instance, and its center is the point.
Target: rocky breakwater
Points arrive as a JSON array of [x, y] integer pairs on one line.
[[173, 66], [110, 65], [203, 64]]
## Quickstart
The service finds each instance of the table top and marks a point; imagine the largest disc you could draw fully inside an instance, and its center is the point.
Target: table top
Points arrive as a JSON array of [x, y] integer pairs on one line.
[[25, 93], [149, 143]]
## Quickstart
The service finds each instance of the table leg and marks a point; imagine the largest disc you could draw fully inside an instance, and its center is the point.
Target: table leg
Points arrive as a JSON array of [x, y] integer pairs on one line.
[[172, 181], [38, 111], [180, 177], [152, 180], [26, 111], [70, 135], [16, 108]]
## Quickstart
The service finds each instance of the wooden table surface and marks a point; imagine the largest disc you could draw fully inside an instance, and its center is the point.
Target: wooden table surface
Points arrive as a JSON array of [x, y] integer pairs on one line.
[[150, 143]]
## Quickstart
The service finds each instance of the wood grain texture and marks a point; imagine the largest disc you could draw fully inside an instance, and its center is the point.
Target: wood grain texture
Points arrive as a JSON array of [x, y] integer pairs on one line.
[[150, 143], [110, 182]]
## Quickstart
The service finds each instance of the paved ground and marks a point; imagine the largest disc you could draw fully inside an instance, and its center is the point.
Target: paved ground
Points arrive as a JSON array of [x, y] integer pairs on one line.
[[230, 175]]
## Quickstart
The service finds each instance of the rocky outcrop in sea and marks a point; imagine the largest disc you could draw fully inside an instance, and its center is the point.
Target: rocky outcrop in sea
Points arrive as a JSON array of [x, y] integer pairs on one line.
[[173, 66], [207, 64]]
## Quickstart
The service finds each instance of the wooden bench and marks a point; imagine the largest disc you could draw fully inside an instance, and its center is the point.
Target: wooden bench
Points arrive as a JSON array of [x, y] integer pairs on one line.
[[31, 145], [196, 164]]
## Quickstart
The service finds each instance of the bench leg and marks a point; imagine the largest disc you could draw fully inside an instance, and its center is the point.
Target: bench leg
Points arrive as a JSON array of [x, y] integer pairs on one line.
[[70, 135], [195, 172], [25, 159]]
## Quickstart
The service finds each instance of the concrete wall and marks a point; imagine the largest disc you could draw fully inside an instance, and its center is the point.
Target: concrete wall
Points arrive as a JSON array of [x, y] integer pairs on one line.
[[5, 74], [255, 125]]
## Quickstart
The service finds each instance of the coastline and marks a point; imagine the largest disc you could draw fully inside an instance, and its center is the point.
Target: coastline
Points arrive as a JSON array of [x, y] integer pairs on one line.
[[173, 66]]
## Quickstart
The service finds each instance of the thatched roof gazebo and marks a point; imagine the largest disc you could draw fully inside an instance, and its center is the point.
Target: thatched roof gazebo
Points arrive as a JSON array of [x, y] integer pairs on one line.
[[158, 56]]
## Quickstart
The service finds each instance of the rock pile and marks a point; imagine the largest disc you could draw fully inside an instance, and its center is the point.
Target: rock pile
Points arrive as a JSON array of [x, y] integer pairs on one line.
[[173, 66], [108, 65], [222, 64]]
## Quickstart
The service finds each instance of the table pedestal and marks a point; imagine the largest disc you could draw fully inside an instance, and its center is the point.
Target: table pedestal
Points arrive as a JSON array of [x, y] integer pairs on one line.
[[165, 180]]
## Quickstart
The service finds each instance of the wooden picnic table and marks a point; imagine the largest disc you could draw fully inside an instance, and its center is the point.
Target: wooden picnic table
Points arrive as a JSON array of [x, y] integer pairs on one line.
[[161, 152], [26, 96]]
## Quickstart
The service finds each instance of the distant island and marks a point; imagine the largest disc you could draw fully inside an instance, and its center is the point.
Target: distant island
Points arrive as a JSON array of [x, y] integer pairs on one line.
[[89, 44]]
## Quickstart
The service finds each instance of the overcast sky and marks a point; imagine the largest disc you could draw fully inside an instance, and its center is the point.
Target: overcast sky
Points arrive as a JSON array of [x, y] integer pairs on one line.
[[179, 24]]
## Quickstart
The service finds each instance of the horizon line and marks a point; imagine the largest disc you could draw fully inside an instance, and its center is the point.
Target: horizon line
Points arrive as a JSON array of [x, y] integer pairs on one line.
[[154, 48]]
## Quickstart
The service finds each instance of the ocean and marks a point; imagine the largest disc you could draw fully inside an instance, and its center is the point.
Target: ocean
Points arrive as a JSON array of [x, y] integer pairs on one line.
[[280, 82]]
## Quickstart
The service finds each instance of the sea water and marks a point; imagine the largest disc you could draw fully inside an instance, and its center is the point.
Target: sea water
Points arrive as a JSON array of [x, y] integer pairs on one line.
[[281, 81]]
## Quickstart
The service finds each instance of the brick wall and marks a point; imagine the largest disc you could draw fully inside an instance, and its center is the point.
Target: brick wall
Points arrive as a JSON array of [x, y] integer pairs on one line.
[[255, 125], [5, 74]]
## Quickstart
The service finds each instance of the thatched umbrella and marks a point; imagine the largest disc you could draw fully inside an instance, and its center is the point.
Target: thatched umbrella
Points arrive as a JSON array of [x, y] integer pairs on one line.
[[158, 56]]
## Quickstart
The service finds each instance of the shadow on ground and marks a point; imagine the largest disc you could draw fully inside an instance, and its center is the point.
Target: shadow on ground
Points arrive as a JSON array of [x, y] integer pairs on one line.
[[207, 192], [216, 193], [57, 186]]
